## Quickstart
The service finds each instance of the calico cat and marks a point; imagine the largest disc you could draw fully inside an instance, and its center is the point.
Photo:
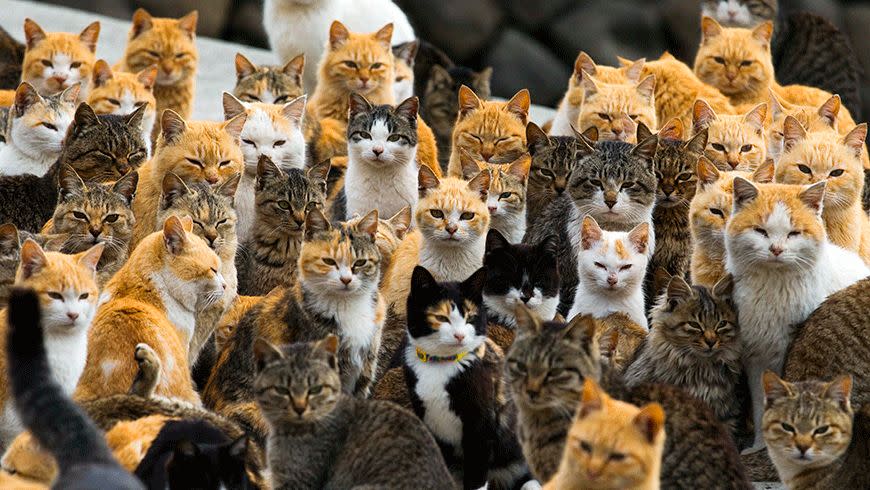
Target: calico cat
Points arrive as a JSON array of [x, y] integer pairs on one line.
[[35, 130], [506, 200], [283, 199], [775, 242], [611, 266], [268, 84], [815, 438], [122, 93], [10, 254], [403, 81], [55, 61], [614, 109], [453, 391], [733, 142], [298, 389], [611, 444]]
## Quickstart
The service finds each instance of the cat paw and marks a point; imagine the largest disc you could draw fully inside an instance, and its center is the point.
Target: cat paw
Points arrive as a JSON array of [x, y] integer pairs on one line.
[[754, 449], [531, 485], [144, 354]]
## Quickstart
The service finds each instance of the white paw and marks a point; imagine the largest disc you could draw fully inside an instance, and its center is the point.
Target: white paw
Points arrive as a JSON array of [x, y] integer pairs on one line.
[[531, 485], [485, 485], [754, 448]]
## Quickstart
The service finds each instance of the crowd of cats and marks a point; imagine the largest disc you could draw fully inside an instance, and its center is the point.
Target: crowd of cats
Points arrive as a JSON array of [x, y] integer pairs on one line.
[[396, 282]]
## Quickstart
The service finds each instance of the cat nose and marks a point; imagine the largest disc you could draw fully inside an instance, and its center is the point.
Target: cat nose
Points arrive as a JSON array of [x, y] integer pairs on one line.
[[492, 209], [612, 279], [803, 448], [299, 220], [451, 229], [730, 75], [95, 233], [525, 298], [533, 393], [560, 184], [346, 280], [776, 250], [733, 162], [299, 407], [378, 151], [610, 201], [363, 79], [486, 155], [710, 343], [667, 189], [459, 337], [72, 316]]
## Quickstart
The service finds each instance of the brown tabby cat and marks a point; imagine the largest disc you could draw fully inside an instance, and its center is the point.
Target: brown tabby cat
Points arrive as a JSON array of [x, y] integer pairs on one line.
[[268, 84]]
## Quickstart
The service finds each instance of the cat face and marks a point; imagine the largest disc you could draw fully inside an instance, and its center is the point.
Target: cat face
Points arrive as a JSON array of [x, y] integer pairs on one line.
[[507, 187], [168, 43], [733, 142], [122, 93], [273, 131], [208, 465], [441, 104], [358, 62], [382, 136], [104, 148], [269, 84], [554, 159], [285, 198], [739, 13], [390, 234], [56, 61], [192, 266], [403, 80], [615, 109], [298, 383], [806, 424], [446, 319], [812, 119], [200, 151], [612, 261], [66, 285], [39, 124], [452, 212], [494, 132], [674, 165], [10, 253], [735, 60], [211, 210], [601, 74], [340, 260]]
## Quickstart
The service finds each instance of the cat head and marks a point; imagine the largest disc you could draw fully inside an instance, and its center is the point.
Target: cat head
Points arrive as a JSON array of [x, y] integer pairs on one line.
[[494, 132], [507, 186], [615, 109], [168, 43], [211, 209], [104, 148], [446, 319], [39, 124], [10, 254], [630, 73], [612, 261], [823, 118], [66, 285], [284, 198], [199, 151], [452, 212], [520, 274], [674, 165], [122, 93], [807, 424], [440, 103], [340, 260], [739, 13], [735, 60], [733, 142], [554, 159], [56, 61], [273, 131], [613, 444], [390, 234], [356, 62], [212, 465], [824, 156], [297, 383], [381, 136], [403, 80], [269, 84]]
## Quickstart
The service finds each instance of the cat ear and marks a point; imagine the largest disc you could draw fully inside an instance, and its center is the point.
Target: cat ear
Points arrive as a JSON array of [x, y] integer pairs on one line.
[[586, 140], [707, 172], [234, 126], [744, 193], [468, 101], [519, 105], [25, 96], [32, 261], [239, 448], [408, 109], [70, 94], [724, 287], [422, 280], [650, 421], [174, 235], [709, 28], [228, 188], [318, 174], [148, 77], [590, 88], [549, 246], [329, 344], [527, 320], [407, 52], [495, 240], [89, 36], [468, 164], [775, 387], [855, 139], [438, 76], [672, 130], [9, 239], [244, 67], [295, 68], [294, 110], [426, 180], [583, 63], [357, 104], [702, 115], [315, 222], [678, 291], [590, 232], [639, 237], [33, 34], [646, 149], [472, 288], [520, 167], [592, 399], [69, 183], [643, 132], [814, 195], [697, 143], [265, 354], [126, 186], [385, 36], [647, 88], [267, 170], [634, 70], [135, 118], [583, 330], [480, 184], [756, 117], [338, 34], [188, 23], [764, 173], [830, 110], [840, 390], [369, 224], [763, 33], [102, 73], [232, 106], [91, 257], [142, 21], [776, 106], [171, 125], [85, 117], [401, 222], [536, 138]]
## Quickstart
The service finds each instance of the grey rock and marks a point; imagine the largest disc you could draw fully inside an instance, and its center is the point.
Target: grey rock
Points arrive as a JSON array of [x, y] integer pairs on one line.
[[519, 61], [460, 27], [533, 14]]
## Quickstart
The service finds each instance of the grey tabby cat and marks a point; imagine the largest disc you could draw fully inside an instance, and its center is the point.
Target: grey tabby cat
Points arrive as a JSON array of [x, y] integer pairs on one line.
[[321, 438], [10, 254], [545, 370], [268, 258], [268, 83]]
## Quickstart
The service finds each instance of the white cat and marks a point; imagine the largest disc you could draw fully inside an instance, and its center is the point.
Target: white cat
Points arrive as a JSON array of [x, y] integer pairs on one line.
[[611, 266], [302, 26], [783, 267]]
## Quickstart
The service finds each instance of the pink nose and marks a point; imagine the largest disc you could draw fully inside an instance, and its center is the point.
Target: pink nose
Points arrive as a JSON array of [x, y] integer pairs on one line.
[[451, 229], [459, 337], [612, 280], [346, 280], [775, 250], [377, 151], [492, 209], [72, 316], [212, 179]]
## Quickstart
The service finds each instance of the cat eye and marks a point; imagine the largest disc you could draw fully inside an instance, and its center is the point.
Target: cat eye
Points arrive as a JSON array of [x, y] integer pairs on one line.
[[793, 234], [787, 427], [745, 63], [328, 261], [746, 148], [136, 155], [360, 263], [278, 143], [555, 373], [153, 53], [600, 265], [836, 172], [436, 213], [350, 64], [252, 97], [627, 185], [111, 218], [625, 267], [717, 147], [821, 430], [684, 176], [719, 59], [46, 63], [717, 212], [761, 231], [75, 64], [400, 79], [442, 319], [213, 270], [803, 168], [195, 162], [225, 163], [80, 215], [114, 101], [585, 446], [53, 295], [197, 223], [604, 116], [466, 216], [617, 457], [221, 222], [519, 366], [315, 390], [85, 296], [633, 117], [285, 205], [694, 326], [249, 142], [49, 126], [280, 99], [180, 55], [595, 182], [362, 135], [504, 195], [394, 137], [546, 173], [375, 66]]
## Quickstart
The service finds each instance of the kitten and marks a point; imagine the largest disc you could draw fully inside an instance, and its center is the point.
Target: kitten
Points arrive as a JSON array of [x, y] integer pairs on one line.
[[403, 82], [610, 270], [68, 296], [614, 109], [35, 130], [506, 200], [733, 142], [739, 13], [775, 242], [10, 254], [283, 199], [694, 344], [452, 390], [298, 389], [122, 93], [269, 84], [273, 131], [55, 61], [493, 132], [815, 438], [612, 444]]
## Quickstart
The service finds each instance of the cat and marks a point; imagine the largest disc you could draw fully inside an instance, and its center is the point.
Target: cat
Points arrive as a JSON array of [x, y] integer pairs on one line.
[[97, 148], [452, 390], [694, 344], [739, 13], [823, 155], [269, 84], [269, 256], [153, 299], [391, 231], [611, 444], [10, 254], [58, 424], [493, 132], [68, 297], [35, 130], [55, 61], [775, 242], [614, 109], [274, 131], [611, 266], [403, 81], [122, 93], [301, 27], [733, 142], [815, 438], [298, 389], [506, 199]]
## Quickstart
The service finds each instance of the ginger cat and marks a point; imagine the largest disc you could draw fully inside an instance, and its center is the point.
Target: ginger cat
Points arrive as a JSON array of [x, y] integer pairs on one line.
[[55, 61], [195, 151], [607, 106], [733, 142], [122, 93], [154, 299], [811, 157], [171, 45], [611, 444]]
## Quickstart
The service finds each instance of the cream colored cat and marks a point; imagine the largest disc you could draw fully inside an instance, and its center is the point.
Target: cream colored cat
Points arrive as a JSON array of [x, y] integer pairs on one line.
[[606, 107]]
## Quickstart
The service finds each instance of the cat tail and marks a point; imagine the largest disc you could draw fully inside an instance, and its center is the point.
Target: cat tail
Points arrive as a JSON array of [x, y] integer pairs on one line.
[[809, 50], [11, 60]]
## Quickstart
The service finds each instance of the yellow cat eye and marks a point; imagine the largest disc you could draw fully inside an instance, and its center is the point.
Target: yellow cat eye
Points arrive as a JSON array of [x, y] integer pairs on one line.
[[466, 216], [375, 66], [788, 427], [436, 213], [442, 319], [360, 263], [285, 205], [314, 390], [684, 176]]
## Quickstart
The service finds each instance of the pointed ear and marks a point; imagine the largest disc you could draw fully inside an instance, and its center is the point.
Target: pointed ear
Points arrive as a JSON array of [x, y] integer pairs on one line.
[[590, 88], [148, 77], [232, 106], [830, 110], [672, 130], [244, 67], [855, 139], [369, 224], [422, 280], [32, 261], [329, 344], [549, 246], [587, 139], [267, 170], [25, 96], [239, 448], [408, 109], [590, 233], [142, 21], [763, 33], [776, 105], [527, 320], [709, 28], [385, 36], [697, 143], [678, 290], [472, 287], [91, 257], [495, 240], [318, 173], [71, 94], [234, 126], [814, 195], [634, 70], [69, 183], [468, 101], [426, 180], [536, 138], [338, 34], [315, 222], [357, 104], [647, 87], [764, 173], [480, 184], [592, 400], [188, 23], [744, 193], [646, 149], [265, 354], [126, 186], [439, 76], [756, 117], [174, 235], [135, 118], [840, 391], [650, 421], [774, 387], [469, 164], [295, 68], [520, 167], [102, 73], [171, 125], [401, 222], [85, 117], [702, 115], [724, 287], [89, 36], [519, 105], [707, 172], [228, 188], [583, 63], [407, 52], [294, 111], [639, 237], [33, 34]]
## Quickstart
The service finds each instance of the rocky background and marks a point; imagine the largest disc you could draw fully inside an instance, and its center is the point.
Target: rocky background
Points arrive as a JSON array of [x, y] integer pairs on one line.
[[529, 43]]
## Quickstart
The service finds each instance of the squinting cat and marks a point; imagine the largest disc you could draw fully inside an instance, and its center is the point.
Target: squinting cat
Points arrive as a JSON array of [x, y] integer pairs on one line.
[[506, 199], [615, 109], [123, 93], [55, 61], [267, 83], [733, 142]]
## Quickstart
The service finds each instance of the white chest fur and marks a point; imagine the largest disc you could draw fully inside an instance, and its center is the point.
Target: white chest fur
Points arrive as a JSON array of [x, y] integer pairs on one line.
[[386, 189], [431, 389], [175, 293]]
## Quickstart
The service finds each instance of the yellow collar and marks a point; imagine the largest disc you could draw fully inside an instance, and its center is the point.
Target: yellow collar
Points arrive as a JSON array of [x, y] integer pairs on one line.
[[426, 357]]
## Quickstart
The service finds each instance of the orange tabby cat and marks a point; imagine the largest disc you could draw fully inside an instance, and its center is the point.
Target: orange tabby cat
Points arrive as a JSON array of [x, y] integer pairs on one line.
[[606, 107], [733, 142], [195, 151], [55, 61], [122, 93], [154, 298]]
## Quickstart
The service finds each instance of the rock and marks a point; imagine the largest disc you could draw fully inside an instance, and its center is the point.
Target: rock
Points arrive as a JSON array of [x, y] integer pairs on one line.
[[112, 8], [246, 24], [534, 14], [462, 28], [519, 61]]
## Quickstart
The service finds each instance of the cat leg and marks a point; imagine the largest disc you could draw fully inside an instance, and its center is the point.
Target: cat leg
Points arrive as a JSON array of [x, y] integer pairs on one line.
[[755, 367], [148, 374]]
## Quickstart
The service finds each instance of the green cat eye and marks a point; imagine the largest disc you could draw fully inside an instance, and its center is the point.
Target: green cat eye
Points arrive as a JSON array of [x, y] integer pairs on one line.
[[314, 390], [436, 213], [375, 66], [504, 195], [394, 137], [328, 261], [466, 216], [284, 205], [787, 427]]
